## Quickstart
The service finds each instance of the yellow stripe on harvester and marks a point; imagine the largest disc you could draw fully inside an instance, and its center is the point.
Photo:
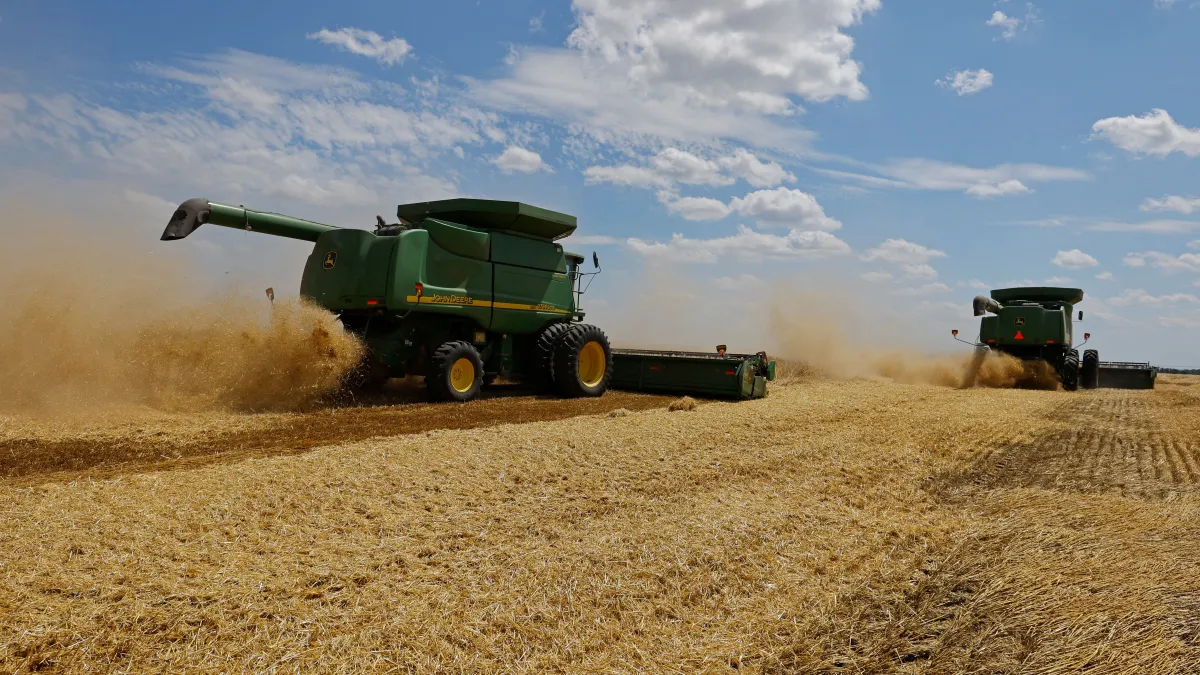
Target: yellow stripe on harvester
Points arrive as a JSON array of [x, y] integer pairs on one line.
[[467, 301]]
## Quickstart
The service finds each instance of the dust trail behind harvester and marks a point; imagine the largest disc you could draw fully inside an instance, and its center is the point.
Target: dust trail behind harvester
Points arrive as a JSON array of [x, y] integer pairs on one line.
[[819, 330], [87, 323]]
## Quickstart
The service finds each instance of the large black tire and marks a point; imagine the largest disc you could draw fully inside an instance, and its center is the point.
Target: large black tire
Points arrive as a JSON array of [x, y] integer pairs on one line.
[[1070, 371], [455, 373], [1089, 371], [542, 368], [582, 362]]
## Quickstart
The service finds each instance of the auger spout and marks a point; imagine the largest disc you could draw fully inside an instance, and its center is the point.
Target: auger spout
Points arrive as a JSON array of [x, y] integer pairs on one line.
[[984, 304], [195, 212]]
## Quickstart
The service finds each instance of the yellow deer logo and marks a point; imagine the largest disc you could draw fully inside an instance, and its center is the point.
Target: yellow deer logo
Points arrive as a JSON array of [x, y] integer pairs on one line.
[[330, 260]]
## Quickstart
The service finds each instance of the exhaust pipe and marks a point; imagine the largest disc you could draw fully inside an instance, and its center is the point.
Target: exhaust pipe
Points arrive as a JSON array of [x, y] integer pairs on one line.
[[984, 304]]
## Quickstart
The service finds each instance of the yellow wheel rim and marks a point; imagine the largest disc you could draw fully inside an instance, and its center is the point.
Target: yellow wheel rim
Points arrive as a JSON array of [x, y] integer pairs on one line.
[[462, 375], [591, 364]]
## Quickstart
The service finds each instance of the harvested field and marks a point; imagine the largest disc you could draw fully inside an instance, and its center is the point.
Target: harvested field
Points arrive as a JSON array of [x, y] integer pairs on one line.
[[837, 526]]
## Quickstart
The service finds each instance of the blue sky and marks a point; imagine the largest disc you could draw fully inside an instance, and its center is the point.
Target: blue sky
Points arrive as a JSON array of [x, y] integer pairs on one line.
[[918, 153]]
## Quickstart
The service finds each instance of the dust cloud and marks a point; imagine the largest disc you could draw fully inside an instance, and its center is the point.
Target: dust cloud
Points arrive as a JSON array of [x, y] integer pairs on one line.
[[819, 323], [92, 317]]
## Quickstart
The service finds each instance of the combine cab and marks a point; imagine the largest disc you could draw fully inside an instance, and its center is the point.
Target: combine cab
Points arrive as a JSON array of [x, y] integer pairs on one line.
[[1035, 324]]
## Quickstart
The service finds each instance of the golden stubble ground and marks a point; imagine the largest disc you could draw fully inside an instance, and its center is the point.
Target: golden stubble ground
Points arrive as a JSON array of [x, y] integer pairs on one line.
[[837, 526]]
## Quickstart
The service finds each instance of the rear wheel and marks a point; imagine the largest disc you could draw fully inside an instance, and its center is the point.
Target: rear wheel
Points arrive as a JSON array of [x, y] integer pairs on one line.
[[1089, 372], [455, 373], [542, 370], [582, 362], [1070, 371]]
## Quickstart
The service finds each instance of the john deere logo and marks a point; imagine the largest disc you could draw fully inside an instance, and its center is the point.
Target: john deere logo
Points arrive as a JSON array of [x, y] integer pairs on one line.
[[330, 260], [1020, 319]]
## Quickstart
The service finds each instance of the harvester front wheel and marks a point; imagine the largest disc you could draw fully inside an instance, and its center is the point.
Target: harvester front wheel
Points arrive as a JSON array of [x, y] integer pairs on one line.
[[582, 362], [456, 373], [543, 356], [1089, 372], [1070, 371]]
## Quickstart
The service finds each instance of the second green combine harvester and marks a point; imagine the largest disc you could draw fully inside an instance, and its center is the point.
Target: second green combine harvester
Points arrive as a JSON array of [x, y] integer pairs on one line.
[[1035, 323], [462, 291]]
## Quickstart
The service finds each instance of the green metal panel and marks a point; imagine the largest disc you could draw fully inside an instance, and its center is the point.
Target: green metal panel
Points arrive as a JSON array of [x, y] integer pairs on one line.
[[493, 215], [459, 239], [525, 300], [1071, 296], [1024, 326], [455, 284], [527, 252], [347, 268]]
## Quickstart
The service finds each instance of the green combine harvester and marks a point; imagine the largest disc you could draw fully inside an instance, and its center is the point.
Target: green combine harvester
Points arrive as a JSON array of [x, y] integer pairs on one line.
[[1035, 323], [464, 291]]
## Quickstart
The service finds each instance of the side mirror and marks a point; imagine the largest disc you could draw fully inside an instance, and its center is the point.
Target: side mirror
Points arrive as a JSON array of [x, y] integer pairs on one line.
[[954, 332], [271, 294], [1087, 336], [595, 260], [1081, 315], [721, 349]]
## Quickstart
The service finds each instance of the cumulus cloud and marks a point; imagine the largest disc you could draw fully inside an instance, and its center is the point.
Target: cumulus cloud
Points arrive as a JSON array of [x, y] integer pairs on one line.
[[365, 43], [671, 166], [1074, 259], [877, 276], [902, 252], [1163, 226], [784, 206], [965, 82], [519, 160], [1105, 276], [921, 272], [1011, 25], [691, 69], [1154, 133], [699, 208], [1139, 297], [1187, 262], [1184, 205], [1008, 187], [746, 245]]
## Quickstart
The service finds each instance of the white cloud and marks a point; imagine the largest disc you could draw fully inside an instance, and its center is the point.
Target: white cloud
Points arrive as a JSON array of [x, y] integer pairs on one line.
[[1011, 25], [743, 164], [520, 160], [966, 82], [921, 272], [1074, 259], [1007, 24], [365, 43], [746, 245], [900, 252], [671, 166], [784, 206], [1163, 226], [877, 277], [1164, 3], [691, 69], [928, 174], [975, 283], [1059, 280], [1141, 298], [699, 208], [1105, 276], [535, 24], [1188, 262], [1184, 205], [927, 289], [1194, 244], [315, 135], [1154, 133], [1008, 187], [742, 282]]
